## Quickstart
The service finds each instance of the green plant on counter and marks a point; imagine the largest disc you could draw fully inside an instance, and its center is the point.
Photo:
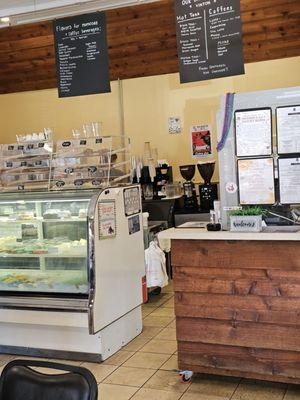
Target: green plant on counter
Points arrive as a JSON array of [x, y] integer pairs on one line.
[[248, 211]]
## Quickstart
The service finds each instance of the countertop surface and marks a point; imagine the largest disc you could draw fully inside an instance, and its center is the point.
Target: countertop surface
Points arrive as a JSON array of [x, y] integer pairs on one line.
[[203, 234]]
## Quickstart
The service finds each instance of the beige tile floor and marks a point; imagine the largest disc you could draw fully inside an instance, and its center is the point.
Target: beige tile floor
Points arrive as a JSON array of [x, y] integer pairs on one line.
[[145, 369]]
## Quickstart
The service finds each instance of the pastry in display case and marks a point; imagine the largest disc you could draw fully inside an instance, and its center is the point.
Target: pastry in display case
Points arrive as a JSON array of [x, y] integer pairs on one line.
[[50, 235], [70, 268]]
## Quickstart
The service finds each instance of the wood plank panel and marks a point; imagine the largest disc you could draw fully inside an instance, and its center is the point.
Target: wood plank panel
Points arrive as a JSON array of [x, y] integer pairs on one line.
[[236, 302], [185, 281], [238, 333], [142, 42], [21, 32], [240, 287], [289, 318], [236, 254], [284, 276], [250, 359], [236, 314]]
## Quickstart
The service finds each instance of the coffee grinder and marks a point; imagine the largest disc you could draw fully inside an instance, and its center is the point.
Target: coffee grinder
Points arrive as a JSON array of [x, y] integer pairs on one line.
[[208, 191], [163, 176], [190, 197]]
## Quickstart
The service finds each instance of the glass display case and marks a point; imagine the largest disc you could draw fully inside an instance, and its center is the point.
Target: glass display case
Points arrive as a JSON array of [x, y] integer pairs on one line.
[[71, 272], [44, 243]]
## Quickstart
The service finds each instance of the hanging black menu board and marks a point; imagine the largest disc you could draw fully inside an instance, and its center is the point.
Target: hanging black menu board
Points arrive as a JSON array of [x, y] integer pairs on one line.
[[209, 39], [81, 55]]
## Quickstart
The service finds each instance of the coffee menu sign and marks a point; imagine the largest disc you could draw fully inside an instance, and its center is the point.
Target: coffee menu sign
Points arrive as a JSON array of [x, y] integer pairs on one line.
[[81, 55], [209, 39]]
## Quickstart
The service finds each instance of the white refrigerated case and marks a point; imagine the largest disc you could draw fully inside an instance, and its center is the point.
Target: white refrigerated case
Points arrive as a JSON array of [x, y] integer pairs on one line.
[[71, 270]]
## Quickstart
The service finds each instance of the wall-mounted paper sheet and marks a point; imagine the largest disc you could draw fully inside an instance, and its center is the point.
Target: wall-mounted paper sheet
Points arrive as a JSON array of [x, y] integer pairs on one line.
[[201, 141], [107, 219], [288, 129], [253, 132], [256, 181], [289, 180], [132, 201], [174, 125]]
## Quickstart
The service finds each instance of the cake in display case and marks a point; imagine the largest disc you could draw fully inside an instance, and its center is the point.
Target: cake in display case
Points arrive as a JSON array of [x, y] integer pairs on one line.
[[43, 244]]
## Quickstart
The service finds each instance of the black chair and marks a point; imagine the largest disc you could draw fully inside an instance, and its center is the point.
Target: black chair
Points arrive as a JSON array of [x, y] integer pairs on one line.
[[20, 382]]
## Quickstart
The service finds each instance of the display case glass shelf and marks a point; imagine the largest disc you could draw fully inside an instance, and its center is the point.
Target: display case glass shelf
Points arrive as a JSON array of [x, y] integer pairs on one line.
[[44, 242]]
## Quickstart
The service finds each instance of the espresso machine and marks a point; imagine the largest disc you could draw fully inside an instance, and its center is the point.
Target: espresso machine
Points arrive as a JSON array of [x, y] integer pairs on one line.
[[208, 191], [190, 196]]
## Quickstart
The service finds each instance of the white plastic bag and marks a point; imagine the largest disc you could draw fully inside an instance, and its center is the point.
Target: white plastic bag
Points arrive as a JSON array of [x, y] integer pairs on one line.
[[155, 260]]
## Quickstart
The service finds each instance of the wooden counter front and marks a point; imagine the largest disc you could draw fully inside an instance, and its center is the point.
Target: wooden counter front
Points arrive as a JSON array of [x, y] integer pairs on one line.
[[237, 306]]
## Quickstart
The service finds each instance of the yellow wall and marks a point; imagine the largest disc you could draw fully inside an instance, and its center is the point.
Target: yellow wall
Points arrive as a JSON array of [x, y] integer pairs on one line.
[[148, 102]]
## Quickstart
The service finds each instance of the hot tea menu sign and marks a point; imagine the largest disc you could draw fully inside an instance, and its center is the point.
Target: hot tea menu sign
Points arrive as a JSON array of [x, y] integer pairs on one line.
[[209, 39], [81, 55]]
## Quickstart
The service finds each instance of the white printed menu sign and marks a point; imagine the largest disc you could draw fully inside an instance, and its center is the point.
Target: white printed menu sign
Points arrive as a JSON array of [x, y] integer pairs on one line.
[[209, 39], [288, 129], [289, 180], [253, 132], [107, 219], [256, 181], [132, 201]]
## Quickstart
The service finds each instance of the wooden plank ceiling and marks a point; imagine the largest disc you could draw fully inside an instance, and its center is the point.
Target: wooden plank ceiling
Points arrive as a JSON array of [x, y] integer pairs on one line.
[[142, 42]]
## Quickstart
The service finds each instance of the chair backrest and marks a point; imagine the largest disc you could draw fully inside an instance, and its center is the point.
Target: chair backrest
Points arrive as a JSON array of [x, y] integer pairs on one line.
[[20, 382]]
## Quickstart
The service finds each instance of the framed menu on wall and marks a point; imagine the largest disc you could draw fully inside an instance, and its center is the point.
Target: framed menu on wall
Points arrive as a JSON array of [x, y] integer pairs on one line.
[[256, 181], [289, 180], [253, 132], [288, 129]]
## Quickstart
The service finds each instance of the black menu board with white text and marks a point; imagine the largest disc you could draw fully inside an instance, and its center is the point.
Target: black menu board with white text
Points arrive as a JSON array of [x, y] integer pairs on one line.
[[209, 39], [81, 55]]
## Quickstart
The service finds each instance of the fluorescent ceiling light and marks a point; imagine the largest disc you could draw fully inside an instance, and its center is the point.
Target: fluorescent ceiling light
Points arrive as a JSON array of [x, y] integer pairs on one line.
[[5, 19]]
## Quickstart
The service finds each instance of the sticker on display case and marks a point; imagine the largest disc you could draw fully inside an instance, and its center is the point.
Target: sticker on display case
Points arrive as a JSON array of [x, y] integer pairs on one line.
[[107, 219], [60, 184], [134, 225], [92, 169], [78, 182], [30, 163], [132, 201], [30, 149], [231, 187], [86, 147], [96, 182]]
